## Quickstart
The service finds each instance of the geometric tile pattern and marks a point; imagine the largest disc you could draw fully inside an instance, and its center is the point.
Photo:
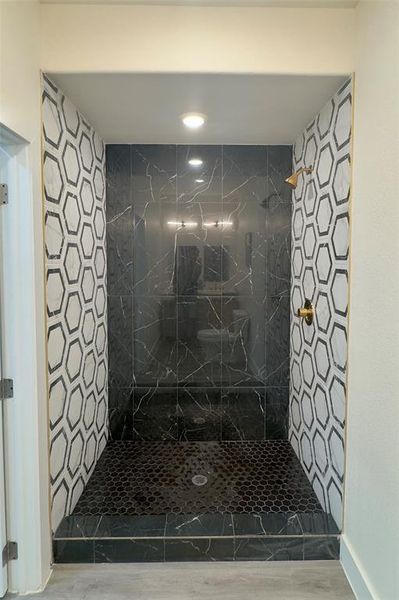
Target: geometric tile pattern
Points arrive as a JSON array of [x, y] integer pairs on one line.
[[73, 178], [155, 478], [320, 247]]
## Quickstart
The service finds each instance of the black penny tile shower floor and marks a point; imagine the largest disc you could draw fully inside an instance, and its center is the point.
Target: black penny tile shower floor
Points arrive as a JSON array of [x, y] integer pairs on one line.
[[156, 478]]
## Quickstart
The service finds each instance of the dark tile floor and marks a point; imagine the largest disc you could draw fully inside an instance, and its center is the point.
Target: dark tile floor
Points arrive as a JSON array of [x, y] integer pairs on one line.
[[158, 478], [142, 505]]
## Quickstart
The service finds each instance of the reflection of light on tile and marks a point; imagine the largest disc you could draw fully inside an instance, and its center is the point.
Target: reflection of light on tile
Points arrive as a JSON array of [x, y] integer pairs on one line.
[[218, 224], [193, 120], [182, 223]]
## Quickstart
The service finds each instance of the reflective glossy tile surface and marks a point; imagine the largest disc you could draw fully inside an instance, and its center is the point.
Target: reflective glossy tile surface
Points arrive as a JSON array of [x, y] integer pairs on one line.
[[199, 271], [139, 478], [197, 501]]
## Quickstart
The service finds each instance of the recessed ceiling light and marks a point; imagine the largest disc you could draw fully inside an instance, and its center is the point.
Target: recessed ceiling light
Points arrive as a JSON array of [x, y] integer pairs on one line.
[[193, 120], [195, 162], [199, 180]]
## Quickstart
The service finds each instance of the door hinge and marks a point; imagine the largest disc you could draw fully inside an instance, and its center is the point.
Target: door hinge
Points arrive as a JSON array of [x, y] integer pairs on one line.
[[6, 389], [10, 552], [3, 194]]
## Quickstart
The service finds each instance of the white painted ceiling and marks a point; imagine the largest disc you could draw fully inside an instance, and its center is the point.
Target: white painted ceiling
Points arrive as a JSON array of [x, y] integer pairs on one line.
[[278, 3], [241, 109]]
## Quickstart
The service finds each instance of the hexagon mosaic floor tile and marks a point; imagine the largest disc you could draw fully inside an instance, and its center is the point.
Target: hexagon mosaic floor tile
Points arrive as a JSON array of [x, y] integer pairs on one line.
[[150, 478]]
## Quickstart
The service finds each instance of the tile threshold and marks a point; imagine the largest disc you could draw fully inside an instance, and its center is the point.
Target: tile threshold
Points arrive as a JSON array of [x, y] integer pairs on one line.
[[202, 537], [230, 548], [197, 525], [199, 537]]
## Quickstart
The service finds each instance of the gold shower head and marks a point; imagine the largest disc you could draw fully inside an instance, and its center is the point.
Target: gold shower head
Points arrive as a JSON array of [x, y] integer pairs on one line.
[[292, 180]]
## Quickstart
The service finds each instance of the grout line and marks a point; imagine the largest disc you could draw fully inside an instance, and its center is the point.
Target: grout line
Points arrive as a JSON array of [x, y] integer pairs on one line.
[[203, 537]]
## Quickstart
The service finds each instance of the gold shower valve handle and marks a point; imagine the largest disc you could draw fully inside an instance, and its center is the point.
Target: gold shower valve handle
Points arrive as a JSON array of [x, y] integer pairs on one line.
[[306, 312]]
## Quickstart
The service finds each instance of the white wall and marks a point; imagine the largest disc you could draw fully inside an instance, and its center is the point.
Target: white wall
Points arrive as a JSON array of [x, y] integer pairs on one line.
[[371, 527], [26, 415], [191, 39]]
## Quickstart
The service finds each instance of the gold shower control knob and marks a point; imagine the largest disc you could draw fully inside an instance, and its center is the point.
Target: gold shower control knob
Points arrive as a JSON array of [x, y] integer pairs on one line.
[[307, 312]]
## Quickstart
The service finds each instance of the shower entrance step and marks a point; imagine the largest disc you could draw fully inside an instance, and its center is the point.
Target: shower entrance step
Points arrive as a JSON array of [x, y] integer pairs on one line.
[[196, 537], [175, 501]]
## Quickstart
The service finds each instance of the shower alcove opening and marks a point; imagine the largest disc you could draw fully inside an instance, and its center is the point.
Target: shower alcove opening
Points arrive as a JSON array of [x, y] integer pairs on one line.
[[193, 415]]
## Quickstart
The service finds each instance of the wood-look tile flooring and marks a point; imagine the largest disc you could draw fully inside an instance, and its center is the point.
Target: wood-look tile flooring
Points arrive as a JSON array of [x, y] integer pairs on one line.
[[309, 580]]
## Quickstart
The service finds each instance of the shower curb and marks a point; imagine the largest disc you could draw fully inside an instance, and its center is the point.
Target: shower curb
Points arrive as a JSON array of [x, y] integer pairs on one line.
[[173, 549], [202, 537]]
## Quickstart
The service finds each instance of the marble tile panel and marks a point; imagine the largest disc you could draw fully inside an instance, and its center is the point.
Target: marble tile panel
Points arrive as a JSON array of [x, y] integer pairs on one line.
[[199, 174], [154, 334], [285, 548], [120, 347], [277, 412], [120, 413], [243, 414], [125, 550], [155, 414], [195, 525], [199, 414], [199, 549], [154, 173]]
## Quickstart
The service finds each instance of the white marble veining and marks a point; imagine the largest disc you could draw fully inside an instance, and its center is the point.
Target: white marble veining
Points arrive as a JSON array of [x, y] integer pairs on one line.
[[187, 248]]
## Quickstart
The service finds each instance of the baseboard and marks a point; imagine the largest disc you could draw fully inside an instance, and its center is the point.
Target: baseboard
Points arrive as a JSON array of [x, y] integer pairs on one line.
[[353, 572], [36, 591]]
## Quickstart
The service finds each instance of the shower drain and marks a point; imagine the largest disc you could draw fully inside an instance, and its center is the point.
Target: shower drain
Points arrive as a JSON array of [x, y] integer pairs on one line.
[[199, 480]]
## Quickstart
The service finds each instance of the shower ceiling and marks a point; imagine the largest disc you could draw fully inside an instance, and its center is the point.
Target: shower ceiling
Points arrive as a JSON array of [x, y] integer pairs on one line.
[[240, 109]]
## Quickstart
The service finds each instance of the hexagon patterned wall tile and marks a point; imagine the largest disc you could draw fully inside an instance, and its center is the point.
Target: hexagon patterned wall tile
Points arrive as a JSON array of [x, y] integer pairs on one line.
[[73, 175], [320, 248]]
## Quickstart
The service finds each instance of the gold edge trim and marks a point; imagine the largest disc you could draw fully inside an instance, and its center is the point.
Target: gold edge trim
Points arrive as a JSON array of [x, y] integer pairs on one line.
[[349, 267]]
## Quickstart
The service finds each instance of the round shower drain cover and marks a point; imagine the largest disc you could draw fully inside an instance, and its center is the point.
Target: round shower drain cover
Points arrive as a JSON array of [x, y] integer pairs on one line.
[[199, 480]]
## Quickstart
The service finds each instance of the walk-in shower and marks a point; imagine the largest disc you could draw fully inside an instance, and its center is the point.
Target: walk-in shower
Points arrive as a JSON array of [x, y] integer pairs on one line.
[[194, 415]]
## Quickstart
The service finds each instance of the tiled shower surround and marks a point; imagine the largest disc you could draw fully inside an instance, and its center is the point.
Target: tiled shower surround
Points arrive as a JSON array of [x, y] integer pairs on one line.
[[198, 291], [201, 464], [73, 177], [320, 249]]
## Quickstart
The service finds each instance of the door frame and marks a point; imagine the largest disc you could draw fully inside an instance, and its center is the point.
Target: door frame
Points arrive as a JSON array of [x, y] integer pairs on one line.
[[3, 509], [26, 428]]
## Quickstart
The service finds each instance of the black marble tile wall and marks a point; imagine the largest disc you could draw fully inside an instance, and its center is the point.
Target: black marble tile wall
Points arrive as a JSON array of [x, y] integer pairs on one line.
[[169, 549], [198, 291]]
